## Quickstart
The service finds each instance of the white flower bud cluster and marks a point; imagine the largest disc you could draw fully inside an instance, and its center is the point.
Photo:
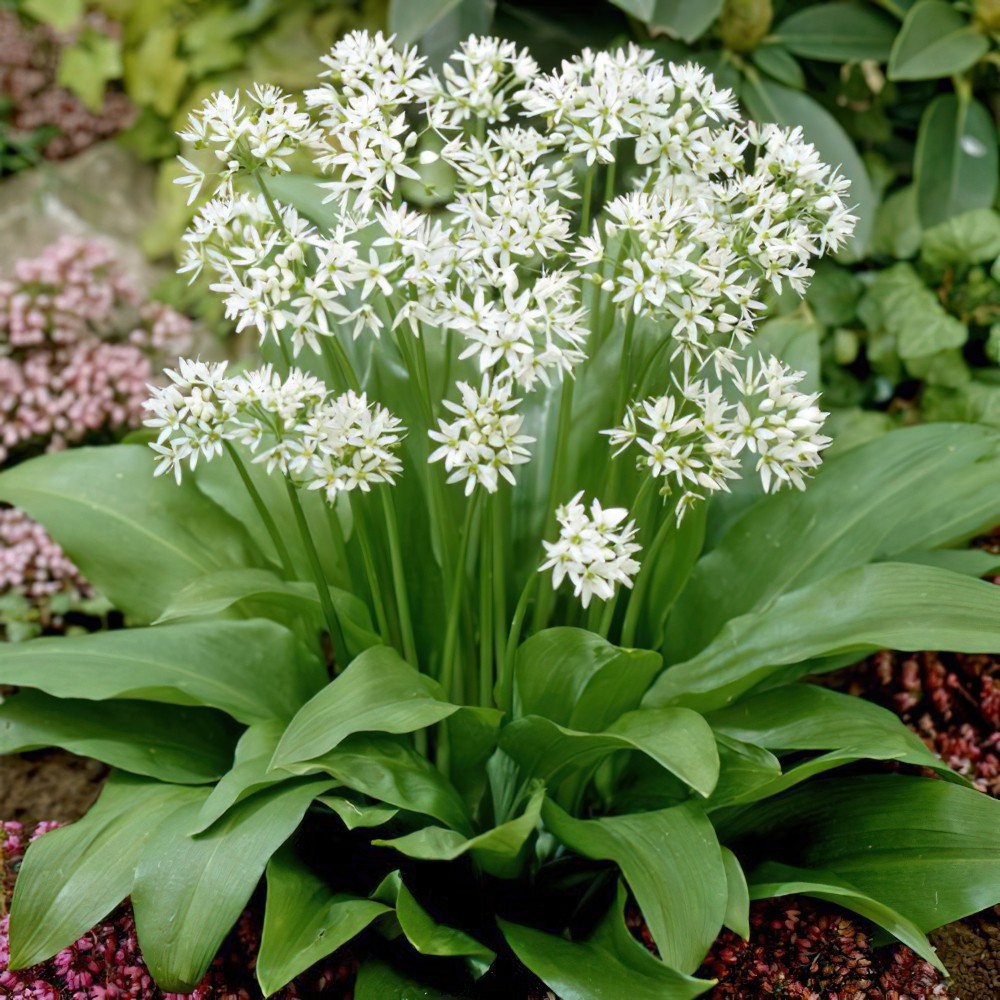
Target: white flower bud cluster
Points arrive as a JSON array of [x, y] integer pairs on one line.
[[692, 438], [483, 444], [293, 424], [594, 550]]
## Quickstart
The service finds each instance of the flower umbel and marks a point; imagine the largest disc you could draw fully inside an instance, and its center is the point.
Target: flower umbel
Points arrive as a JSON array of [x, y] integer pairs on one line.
[[594, 550]]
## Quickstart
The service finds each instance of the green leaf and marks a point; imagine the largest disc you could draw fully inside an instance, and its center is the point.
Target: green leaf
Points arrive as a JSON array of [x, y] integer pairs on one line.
[[253, 670], [189, 891], [768, 101], [955, 162], [885, 605], [154, 72], [262, 590], [927, 849], [182, 745], [139, 540], [473, 732], [683, 19], [671, 861], [744, 770], [609, 965], [935, 40], [900, 304], [836, 32], [970, 562], [422, 930], [87, 67], [498, 851], [578, 679], [387, 770], [381, 981], [897, 226], [73, 877], [356, 815], [809, 717], [304, 921], [919, 487], [61, 14], [738, 906], [771, 879], [378, 692], [779, 64], [250, 772], [682, 743], [965, 239]]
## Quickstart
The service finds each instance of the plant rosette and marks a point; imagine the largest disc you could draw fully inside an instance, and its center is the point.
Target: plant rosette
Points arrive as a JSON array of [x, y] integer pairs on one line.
[[410, 638]]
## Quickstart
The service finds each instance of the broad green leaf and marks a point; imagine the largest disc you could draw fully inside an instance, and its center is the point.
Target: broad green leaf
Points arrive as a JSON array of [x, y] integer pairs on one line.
[[388, 771], [410, 20], [422, 931], [768, 101], [809, 717], [779, 64], [304, 921], [88, 65], [680, 742], [250, 771], [473, 732], [252, 670], [899, 303], [964, 239], [744, 770], [577, 679], [189, 891], [260, 590], [73, 877], [893, 605], [935, 40], [378, 692], [897, 226], [927, 849], [379, 980], [955, 162], [671, 861], [357, 815], [920, 487], [155, 73], [182, 745], [683, 19], [970, 562], [841, 32], [771, 879], [609, 965], [738, 906], [498, 851], [139, 540], [61, 14]]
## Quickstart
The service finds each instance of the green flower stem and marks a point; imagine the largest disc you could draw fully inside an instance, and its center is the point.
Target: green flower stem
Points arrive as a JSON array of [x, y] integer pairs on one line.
[[486, 609], [271, 206], [265, 514], [544, 606], [339, 544], [501, 517], [588, 193], [625, 373], [339, 363], [323, 590], [638, 595], [370, 571], [608, 615], [399, 580], [609, 181], [455, 602], [506, 685]]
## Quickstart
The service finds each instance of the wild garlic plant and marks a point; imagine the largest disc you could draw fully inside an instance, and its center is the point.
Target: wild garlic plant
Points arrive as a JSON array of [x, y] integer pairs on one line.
[[501, 236]]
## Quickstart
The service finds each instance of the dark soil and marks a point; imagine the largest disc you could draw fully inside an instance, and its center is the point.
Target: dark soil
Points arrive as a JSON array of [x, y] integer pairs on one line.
[[48, 785]]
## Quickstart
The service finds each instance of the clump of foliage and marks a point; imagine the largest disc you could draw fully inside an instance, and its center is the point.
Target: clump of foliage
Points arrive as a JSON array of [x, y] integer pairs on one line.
[[47, 109], [356, 668]]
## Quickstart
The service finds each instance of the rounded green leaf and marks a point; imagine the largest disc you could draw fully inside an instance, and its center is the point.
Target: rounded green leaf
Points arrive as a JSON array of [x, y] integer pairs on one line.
[[837, 32], [956, 159], [935, 40]]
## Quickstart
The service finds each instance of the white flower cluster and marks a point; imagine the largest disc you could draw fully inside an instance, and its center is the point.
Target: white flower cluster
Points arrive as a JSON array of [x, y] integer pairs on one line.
[[594, 550], [320, 441], [483, 443], [261, 134], [692, 438]]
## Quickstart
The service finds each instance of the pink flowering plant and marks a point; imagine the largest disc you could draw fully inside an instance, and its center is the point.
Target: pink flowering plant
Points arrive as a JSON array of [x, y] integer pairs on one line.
[[484, 604]]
